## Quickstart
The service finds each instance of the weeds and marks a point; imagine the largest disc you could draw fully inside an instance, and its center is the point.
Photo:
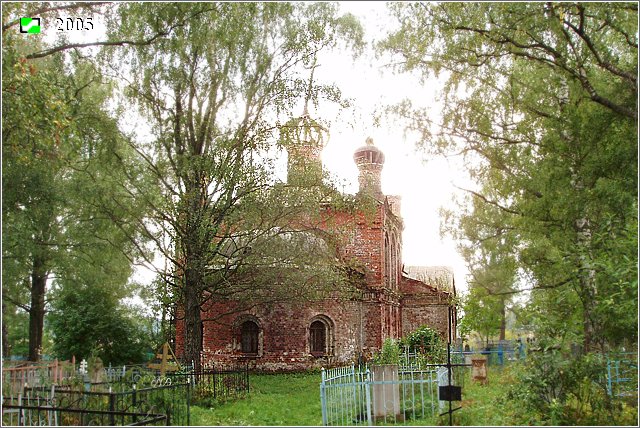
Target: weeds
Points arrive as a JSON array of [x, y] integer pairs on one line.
[[507, 400]]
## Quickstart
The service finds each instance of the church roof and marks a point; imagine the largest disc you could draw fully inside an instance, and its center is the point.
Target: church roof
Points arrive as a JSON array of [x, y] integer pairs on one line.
[[368, 153], [440, 277], [412, 286]]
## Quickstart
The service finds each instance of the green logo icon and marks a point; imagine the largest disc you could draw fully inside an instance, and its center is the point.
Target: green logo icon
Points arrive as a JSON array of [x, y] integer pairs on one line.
[[30, 25]]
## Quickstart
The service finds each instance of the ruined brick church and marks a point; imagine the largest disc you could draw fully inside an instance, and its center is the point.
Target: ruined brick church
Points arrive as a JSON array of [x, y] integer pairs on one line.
[[396, 299]]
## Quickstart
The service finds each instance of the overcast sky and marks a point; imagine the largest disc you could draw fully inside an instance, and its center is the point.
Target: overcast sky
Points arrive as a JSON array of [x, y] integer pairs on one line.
[[424, 184]]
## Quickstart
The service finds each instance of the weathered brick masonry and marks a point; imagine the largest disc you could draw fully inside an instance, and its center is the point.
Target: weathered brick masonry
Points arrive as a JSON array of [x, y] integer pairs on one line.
[[298, 336]]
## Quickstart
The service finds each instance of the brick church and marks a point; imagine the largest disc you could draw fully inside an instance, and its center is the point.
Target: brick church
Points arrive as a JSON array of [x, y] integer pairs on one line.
[[395, 299]]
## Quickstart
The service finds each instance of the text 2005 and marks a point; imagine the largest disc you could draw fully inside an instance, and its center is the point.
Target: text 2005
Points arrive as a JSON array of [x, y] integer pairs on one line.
[[71, 24]]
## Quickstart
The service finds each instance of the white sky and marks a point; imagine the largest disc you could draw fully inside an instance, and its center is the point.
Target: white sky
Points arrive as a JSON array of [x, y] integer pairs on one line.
[[424, 184]]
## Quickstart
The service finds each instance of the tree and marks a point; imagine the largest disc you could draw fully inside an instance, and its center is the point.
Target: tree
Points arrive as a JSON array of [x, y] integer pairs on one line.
[[482, 313], [61, 152], [491, 290], [89, 321], [216, 90], [540, 99]]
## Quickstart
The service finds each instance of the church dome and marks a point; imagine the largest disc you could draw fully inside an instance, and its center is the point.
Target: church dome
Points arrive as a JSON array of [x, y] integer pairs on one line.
[[368, 154]]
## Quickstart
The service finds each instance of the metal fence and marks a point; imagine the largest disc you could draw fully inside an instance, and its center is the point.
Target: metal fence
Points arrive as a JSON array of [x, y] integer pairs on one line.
[[65, 406], [497, 354], [215, 384], [622, 375], [16, 376], [381, 394], [24, 415], [136, 397]]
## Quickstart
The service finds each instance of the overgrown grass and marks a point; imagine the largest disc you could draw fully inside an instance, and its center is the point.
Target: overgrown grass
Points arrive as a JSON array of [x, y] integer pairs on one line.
[[485, 404], [283, 399], [294, 400]]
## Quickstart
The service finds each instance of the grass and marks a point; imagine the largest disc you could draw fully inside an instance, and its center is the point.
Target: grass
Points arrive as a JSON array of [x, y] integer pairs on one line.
[[294, 400], [283, 399], [480, 402]]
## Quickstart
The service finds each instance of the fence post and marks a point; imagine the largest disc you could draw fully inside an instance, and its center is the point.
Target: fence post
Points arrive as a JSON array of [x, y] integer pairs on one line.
[[189, 380], [246, 376], [355, 390], [323, 401], [53, 415], [367, 389], [134, 401], [20, 415], [609, 386], [112, 408]]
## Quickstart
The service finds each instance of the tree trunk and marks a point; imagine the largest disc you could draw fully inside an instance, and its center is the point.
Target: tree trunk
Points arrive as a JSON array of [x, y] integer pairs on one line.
[[588, 288], [6, 352], [39, 276], [192, 321], [194, 250], [503, 321]]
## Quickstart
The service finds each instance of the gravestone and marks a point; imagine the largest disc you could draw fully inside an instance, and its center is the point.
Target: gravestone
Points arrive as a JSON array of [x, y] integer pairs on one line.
[[386, 396], [479, 370], [443, 380]]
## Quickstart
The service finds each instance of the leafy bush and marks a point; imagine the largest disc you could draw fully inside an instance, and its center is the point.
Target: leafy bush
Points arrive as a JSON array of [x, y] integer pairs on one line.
[[557, 388], [428, 344], [389, 354], [91, 322]]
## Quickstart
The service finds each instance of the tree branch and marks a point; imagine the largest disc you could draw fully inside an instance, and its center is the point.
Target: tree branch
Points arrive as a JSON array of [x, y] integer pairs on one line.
[[52, 9], [490, 202]]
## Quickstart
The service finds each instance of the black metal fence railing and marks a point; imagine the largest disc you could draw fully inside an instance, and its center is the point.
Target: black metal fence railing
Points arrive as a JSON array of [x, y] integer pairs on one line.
[[215, 384], [71, 407], [24, 415], [127, 401], [172, 400]]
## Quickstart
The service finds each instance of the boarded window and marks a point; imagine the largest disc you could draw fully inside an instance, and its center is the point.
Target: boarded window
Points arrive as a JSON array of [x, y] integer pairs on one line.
[[318, 337], [249, 342]]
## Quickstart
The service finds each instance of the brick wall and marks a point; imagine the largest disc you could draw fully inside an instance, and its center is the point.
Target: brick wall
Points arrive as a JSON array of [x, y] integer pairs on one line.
[[357, 327], [284, 329], [416, 314]]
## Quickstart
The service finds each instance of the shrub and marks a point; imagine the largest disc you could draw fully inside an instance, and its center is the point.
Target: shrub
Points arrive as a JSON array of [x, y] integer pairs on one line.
[[389, 354], [558, 388], [428, 344]]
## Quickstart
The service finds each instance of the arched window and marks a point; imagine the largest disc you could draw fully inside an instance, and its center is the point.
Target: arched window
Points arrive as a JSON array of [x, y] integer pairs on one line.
[[318, 337], [394, 263], [249, 337], [321, 336], [387, 261]]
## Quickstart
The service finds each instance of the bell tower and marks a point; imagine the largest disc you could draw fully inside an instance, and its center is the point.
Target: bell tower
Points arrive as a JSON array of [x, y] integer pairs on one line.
[[304, 138], [369, 160]]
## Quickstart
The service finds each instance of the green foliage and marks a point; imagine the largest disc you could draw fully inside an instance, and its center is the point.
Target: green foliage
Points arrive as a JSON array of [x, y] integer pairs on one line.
[[427, 343], [17, 323], [481, 313], [64, 157], [90, 322], [555, 388], [541, 104], [389, 354], [540, 100]]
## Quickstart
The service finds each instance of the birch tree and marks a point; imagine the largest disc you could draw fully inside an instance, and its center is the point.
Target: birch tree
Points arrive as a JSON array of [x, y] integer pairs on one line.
[[541, 101]]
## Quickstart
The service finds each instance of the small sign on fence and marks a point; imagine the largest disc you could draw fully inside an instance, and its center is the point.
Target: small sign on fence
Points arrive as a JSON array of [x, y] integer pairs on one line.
[[450, 393]]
